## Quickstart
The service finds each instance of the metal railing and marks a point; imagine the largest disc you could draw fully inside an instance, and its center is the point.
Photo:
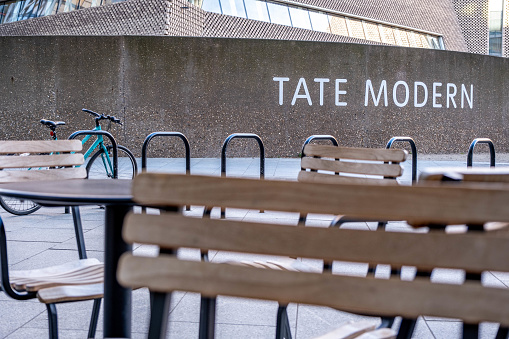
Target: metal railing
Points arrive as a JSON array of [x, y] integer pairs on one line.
[[225, 147], [414, 153], [470, 155]]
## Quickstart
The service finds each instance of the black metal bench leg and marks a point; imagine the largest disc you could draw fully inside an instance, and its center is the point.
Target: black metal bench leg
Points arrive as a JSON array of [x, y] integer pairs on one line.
[[207, 318], [406, 329], [283, 325], [78, 230], [387, 322], [470, 331], [94, 318], [502, 333], [52, 321], [159, 311]]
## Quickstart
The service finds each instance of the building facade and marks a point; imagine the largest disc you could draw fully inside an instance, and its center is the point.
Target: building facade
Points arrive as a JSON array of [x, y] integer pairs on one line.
[[475, 26]]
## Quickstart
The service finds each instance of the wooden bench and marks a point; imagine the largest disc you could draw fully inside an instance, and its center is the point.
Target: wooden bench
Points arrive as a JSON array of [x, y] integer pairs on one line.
[[75, 281], [465, 204], [351, 165], [348, 165]]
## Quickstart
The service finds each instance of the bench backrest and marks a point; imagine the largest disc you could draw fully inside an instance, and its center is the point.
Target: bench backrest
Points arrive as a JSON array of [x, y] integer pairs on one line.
[[352, 165], [40, 160], [471, 301]]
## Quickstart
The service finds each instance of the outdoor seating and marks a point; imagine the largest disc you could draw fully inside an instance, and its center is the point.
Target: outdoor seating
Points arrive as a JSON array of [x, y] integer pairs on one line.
[[351, 165], [74, 281], [335, 165], [471, 301]]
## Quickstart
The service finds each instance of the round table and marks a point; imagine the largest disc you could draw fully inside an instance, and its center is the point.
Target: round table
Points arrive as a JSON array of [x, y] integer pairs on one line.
[[116, 196]]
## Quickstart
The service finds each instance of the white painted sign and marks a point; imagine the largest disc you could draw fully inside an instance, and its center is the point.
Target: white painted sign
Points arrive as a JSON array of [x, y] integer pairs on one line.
[[401, 94]]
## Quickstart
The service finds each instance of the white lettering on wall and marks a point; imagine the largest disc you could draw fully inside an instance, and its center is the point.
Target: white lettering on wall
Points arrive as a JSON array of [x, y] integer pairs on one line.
[[281, 81], [383, 89], [321, 81], [296, 95], [464, 95], [451, 95], [394, 94], [340, 92], [418, 84], [436, 94], [441, 94]]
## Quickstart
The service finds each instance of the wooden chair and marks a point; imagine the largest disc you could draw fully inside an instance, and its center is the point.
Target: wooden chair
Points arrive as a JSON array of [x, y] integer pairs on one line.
[[466, 204], [75, 281], [347, 165], [351, 165]]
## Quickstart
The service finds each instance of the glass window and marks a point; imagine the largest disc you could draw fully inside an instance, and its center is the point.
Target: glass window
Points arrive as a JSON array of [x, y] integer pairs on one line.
[[233, 7], [300, 17], [28, 10], [211, 6], [47, 8], [279, 14], [3, 9], [319, 21], [495, 38], [68, 5], [12, 11], [257, 10], [496, 44]]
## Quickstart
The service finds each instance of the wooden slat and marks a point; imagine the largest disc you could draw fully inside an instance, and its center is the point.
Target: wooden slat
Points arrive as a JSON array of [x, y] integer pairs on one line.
[[36, 161], [396, 248], [49, 174], [53, 270], [350, 330], [382, 333], [381, 154], [39, 146], [20, 283], [385, 170], [70, 293], [483, 174], [472, 203], [322, 178], [93, 276], [470, 302]]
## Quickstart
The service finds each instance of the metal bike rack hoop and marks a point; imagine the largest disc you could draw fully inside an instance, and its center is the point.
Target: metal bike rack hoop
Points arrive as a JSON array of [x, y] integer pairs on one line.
[[243, 136], [470, 155], [151, 136], [414, 153], [318, 137], [113, 143]]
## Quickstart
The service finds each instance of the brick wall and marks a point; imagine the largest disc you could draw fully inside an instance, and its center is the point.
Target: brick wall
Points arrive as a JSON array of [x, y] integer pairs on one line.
[[184, 19], [505, 30], [134, 17], [432, 15], [180, 18], [218, 25], [473, 19]]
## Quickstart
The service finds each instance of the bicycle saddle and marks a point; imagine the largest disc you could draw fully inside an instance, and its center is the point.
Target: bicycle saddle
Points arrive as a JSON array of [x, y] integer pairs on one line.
[[50, 123]]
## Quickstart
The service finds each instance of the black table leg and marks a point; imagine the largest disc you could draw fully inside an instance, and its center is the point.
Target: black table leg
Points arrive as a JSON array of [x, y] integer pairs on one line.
[[117, 299]]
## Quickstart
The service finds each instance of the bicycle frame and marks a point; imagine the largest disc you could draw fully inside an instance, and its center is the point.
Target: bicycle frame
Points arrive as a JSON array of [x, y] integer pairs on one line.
[[99, 142]]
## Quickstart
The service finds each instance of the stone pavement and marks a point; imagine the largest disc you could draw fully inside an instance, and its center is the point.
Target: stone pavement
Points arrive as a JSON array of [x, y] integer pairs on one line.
[[236, 318]]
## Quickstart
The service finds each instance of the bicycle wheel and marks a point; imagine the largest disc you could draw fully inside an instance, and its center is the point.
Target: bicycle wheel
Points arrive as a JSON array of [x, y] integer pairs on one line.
[[97, 167], [17, 206]]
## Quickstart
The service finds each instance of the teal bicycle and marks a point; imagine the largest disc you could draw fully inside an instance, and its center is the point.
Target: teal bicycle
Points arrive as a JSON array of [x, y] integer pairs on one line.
[[100, 165]]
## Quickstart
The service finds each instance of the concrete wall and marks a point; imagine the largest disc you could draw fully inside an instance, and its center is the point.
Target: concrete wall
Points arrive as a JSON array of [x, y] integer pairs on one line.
[[209, 88]]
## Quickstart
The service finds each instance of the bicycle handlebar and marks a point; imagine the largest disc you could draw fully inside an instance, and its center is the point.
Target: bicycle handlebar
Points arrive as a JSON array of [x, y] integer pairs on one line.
[[99, 117]]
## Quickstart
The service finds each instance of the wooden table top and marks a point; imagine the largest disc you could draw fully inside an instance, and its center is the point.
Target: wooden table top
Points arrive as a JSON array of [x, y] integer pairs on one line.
[[71, 192], [477, 174]]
